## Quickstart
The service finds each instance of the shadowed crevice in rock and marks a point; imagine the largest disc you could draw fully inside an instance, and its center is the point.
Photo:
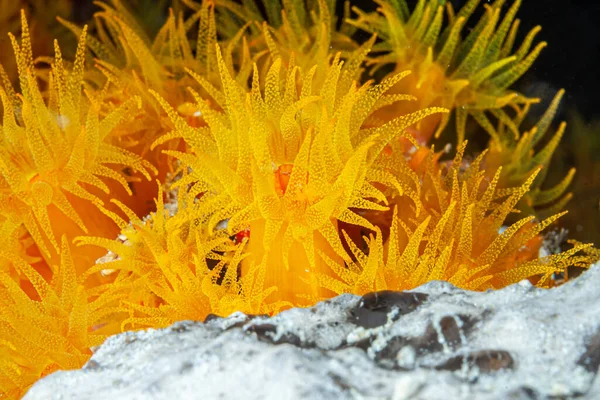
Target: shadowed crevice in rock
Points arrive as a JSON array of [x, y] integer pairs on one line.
[[456, 329], [590, 360], [268, 333], [373, 308], [212, 317], [523, 393], [449, 333], [485, 361], [92, 365], [184, 326], [427, 343]]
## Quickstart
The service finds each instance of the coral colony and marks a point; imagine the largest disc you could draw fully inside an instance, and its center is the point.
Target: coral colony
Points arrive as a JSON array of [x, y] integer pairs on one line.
[[255, 156]]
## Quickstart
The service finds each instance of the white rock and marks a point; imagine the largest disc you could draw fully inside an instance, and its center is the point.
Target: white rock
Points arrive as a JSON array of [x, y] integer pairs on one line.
[[516, 343]]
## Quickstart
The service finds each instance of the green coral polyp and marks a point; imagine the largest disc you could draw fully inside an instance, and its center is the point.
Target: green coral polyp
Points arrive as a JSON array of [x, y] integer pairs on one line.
[[471, 75]]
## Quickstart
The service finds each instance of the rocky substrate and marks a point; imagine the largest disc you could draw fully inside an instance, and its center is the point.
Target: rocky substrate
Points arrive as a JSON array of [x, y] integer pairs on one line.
[[435, 342]]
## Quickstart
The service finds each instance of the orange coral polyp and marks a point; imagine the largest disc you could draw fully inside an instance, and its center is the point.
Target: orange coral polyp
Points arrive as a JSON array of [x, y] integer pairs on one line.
[[457, 238], [318, 132], [282, 178], [55, 155]]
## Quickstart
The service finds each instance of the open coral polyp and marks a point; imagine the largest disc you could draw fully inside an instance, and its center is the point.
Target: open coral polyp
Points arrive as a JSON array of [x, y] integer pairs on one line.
[[56, 331], [179, 271], [470, 75], [459, 236], [315, 134], [56, 153]]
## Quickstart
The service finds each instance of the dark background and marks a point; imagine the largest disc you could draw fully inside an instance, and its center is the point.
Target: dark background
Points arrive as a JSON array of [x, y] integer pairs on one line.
[[571, 60]]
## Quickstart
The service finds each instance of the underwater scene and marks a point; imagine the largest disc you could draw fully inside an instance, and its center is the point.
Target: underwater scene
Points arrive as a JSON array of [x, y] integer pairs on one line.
[[184, 160]]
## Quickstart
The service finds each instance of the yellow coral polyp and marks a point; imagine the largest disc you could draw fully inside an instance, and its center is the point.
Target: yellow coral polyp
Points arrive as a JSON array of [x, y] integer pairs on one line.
[[60, 327], [318, 133], [133, 62], [457, 238], [180, 272], [17, 243], [55, 154]]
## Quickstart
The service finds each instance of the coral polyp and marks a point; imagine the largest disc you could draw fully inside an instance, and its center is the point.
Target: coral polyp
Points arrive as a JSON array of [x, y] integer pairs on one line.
[[457, 238], [261, 156], [290, 165], [471, 75], [518, 158], [128, 63], [55, 331], [180, 271], [55, 151], [305, 33]]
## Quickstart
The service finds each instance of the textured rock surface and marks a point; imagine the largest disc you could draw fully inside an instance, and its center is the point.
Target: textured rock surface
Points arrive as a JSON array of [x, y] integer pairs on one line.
[[436, 342]]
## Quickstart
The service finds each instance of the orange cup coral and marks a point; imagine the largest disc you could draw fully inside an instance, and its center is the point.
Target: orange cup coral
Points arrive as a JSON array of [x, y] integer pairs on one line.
[[286, 175]]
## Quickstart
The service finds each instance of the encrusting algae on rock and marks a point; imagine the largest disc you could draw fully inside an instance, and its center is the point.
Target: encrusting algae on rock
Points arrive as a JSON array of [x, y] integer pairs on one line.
[[282, 171]]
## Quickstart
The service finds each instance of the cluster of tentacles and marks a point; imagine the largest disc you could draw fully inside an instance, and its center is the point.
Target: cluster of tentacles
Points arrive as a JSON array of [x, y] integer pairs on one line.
[[255, 156]]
